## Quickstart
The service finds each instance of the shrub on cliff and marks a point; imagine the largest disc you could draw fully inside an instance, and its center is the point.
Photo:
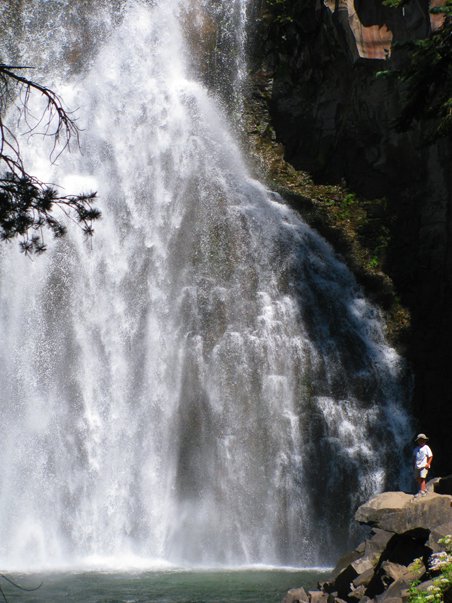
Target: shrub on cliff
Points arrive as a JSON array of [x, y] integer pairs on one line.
[[426, 78], [442, 583]]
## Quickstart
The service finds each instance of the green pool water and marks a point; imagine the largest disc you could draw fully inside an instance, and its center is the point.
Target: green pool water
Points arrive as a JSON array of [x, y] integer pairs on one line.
[[244, 586]]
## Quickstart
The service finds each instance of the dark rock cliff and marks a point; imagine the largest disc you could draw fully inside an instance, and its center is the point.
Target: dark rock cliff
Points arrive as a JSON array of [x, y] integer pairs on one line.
[[335, 119]]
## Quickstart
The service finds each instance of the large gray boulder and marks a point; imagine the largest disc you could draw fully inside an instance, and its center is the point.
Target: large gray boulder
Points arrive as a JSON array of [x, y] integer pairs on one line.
[[296, 595], [398, 512], [437, 533]]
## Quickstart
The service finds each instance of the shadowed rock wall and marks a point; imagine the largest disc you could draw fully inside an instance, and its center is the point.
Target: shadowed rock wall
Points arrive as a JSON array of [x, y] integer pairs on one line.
[[335, 120]]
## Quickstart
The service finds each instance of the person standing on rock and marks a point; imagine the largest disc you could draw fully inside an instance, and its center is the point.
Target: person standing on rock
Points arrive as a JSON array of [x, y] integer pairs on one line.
[[422, 456]]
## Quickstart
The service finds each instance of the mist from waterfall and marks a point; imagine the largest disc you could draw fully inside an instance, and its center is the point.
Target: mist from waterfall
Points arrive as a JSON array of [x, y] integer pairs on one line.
[[203, 384]]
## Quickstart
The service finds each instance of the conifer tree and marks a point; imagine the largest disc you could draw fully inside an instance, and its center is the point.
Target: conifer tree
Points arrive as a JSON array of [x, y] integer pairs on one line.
[[28, 205]]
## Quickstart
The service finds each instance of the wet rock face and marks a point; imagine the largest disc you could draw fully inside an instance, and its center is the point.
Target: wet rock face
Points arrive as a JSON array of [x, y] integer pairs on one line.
[[335, 120]]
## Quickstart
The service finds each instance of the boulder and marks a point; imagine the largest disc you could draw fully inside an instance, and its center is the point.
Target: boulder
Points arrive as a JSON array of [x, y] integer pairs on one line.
[[409, 573], [357, 593], [402, 559], [393, 570], [296, 595], [343, 582], [364, 564], [317, 596], [346, 560], [374, 511], [425, 585], [385, 558], [399, 512], [432, 483], [345, 572], [374, 547], [361, 548], [360, 562], [443, 485], [405, 548], [364, 578], [397, 591], [376, 544], [438, 532], [327, 586]]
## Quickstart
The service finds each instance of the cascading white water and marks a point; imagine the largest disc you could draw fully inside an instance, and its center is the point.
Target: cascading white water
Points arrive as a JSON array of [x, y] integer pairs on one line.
[[205, 383]]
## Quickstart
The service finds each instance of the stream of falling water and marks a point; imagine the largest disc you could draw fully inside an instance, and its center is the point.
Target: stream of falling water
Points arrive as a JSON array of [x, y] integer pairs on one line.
[[205, 383]]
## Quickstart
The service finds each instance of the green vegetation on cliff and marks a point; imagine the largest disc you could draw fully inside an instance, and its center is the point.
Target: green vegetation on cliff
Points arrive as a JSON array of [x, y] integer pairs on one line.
[[356, 227], [426, 77], [442, 582]]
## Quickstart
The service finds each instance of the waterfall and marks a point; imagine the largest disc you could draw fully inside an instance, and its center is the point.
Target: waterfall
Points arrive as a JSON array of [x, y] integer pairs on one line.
[[204, 383]]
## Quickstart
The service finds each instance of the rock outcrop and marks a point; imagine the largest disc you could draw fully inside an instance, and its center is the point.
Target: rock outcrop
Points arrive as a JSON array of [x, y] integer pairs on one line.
[[405, 532], [395, 512]]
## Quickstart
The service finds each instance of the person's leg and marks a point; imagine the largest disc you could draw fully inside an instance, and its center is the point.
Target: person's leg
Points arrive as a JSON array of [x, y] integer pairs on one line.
[[422, 482]]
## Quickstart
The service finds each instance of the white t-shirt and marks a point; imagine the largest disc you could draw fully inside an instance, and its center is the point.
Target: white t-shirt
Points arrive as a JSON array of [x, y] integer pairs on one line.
[[421, 454]]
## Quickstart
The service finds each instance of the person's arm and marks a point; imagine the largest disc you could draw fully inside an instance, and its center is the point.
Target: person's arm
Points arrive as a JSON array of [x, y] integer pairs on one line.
[[429, 461]]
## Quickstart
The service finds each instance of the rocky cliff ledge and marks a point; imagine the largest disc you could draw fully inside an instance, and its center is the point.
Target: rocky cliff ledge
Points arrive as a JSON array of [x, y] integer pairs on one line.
[[402, 548]]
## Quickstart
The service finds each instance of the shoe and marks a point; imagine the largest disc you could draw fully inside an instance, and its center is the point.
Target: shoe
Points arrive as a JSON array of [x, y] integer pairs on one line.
[[420, 495]]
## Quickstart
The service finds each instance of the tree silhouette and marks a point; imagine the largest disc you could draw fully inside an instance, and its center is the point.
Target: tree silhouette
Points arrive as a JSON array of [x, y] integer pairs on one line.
[[27, 205]]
